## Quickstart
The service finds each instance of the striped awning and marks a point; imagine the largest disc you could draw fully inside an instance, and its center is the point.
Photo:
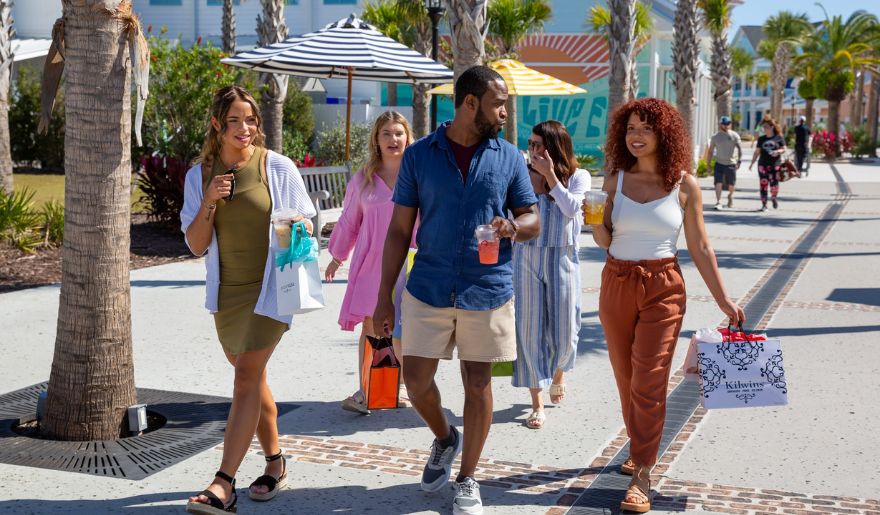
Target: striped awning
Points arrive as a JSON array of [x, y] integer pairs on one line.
[[346, 45], [523, 81]]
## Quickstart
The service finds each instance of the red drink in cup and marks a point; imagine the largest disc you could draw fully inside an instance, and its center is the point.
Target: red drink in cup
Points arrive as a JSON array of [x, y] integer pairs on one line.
[[487, 244]]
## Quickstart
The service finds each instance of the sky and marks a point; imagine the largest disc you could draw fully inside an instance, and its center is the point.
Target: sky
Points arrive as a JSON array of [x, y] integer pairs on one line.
[[754, 12]]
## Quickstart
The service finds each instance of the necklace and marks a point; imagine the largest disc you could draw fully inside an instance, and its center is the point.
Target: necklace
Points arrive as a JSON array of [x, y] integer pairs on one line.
[[235, 165]]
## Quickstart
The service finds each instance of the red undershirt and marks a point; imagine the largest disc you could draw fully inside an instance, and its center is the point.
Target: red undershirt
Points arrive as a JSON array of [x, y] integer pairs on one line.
[[463, 156]]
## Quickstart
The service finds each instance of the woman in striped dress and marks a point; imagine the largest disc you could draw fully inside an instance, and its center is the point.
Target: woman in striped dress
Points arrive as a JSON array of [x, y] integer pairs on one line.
[[546, 277]]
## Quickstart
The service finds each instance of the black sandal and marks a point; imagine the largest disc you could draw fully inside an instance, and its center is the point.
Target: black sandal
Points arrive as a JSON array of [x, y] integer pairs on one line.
[[215, 506], [272, 483]]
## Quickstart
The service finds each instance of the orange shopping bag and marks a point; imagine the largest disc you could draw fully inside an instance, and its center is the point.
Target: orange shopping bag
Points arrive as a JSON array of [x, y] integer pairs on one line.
[[380, 374]]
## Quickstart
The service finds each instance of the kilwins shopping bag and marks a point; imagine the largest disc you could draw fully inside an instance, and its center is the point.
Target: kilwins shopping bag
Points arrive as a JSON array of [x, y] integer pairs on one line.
[[297, 276], [380, 374], [736, 369]]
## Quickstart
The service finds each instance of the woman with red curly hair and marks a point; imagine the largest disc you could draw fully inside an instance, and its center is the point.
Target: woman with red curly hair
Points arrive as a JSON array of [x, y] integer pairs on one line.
[[651, 195]]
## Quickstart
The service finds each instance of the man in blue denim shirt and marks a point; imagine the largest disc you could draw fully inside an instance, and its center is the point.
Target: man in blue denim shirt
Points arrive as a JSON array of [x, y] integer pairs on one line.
[[455, 179]]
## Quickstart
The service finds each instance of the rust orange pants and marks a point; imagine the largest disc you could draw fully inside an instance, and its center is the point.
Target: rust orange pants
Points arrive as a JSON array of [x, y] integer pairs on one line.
[[641, 307]]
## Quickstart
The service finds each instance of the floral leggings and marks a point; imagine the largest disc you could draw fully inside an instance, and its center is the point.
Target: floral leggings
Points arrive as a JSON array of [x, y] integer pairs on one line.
[[769, 176]]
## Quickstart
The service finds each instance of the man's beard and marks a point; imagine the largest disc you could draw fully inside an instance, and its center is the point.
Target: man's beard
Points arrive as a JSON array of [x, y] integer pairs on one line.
[[487, 130]]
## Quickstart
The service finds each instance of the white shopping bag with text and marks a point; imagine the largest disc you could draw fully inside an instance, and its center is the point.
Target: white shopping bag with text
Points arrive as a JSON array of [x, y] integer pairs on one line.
[[298, 287], [745, 372]]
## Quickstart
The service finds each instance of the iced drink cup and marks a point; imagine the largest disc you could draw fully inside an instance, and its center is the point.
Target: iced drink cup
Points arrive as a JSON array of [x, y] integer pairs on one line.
[[487, 244], [282, 223], [594, 207]]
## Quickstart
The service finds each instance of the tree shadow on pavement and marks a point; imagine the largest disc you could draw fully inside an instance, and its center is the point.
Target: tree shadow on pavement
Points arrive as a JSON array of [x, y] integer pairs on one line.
[[328, 419], [867, 296], [591, 337], [135, 504]]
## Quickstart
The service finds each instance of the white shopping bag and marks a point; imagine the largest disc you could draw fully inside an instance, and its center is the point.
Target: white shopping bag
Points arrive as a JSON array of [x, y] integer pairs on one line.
[[745, 372], [298, 286]]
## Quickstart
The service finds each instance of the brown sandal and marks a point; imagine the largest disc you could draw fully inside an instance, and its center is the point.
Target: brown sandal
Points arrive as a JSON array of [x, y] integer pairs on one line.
[[643, 504], [627, 468]]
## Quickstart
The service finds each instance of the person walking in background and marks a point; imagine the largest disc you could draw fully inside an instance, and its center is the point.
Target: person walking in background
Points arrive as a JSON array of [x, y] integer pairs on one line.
[[771, 147], [802, 143], [460, 176], [652, 193], [546, 271], [722, 146], [366, 214], [228, 198]]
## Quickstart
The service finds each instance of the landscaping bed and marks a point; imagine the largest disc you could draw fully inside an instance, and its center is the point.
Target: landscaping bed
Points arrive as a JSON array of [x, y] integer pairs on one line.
[[151, 245]]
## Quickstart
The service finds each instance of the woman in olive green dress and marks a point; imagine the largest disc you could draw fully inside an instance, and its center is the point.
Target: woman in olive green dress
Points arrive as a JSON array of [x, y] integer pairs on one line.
[[228, 199]]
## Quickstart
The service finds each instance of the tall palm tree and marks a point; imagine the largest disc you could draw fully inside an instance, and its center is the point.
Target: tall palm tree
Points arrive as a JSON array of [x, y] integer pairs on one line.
[[784, 30], [716, 18], [228, 30], [7, 33], [873, 99], [741, 64], [685, 56], [92, 380], [468, 23], [857, 99], [271, 29], [509, 22], [600, 20], [406, 22], [837, 50], [807, 90]]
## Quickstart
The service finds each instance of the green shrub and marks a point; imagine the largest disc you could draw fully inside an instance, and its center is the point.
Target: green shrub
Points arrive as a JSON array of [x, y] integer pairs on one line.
[[298, 121], [293, 145], [182, 83], [19, 224], [862, 144], [161, 180], [24, 116], [331, 145], [587, 161], [704, 169], [53, 223]]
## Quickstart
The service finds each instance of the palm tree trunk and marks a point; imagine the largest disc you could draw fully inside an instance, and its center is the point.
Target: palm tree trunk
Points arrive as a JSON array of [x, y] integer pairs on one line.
[[421, 100], [469, 25], [779, 71], [271, 29], [834, 124], [420, 103], [228, 29], [857, 101], [721, 74], [685, 52], [7, 33], [808, 107], [92, 380], [510, 132], [873, 107], [392, 93], [621, 47]]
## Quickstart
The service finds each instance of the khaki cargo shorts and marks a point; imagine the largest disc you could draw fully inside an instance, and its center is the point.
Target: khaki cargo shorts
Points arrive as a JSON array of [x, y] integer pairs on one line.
[[483, 336]]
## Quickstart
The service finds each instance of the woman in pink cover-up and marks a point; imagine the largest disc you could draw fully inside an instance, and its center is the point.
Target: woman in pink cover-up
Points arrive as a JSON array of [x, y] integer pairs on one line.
[[366, 214]]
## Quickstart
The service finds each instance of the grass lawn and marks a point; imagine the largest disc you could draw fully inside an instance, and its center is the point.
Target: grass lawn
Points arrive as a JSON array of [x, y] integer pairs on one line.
[[48, 187]]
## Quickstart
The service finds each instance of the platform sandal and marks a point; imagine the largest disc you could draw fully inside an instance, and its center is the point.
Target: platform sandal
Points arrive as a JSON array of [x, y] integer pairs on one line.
[[215, 506], [643, 504], [627, 467], [273, 484]]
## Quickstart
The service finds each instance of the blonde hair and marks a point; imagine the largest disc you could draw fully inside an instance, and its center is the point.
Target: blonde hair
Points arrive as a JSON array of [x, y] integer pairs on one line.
[[374, 162], [223, 100]]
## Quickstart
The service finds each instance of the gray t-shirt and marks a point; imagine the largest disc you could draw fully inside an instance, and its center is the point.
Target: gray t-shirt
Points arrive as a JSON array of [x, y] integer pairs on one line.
[[725, 143]]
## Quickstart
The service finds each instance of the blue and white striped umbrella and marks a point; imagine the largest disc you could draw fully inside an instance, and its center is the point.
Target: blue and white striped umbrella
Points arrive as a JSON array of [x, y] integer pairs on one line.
[[349, 48]]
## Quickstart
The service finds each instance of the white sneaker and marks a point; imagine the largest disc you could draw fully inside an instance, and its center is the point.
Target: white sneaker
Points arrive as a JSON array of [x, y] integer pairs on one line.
[[467, 498], [439, 467], [718, 206]]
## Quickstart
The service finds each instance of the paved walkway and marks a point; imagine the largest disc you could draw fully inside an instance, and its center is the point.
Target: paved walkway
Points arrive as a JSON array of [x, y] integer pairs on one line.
[[811, 456]]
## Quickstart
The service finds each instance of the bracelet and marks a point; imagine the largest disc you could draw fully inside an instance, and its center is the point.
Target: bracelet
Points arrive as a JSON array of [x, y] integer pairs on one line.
[[338, 263]]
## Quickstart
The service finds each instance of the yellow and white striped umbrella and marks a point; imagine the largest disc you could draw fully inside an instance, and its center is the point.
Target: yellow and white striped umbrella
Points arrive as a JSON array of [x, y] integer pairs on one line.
[[523, 81]]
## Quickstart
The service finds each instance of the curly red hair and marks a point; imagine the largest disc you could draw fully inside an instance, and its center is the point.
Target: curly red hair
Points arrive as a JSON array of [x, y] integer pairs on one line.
[[674, 153]]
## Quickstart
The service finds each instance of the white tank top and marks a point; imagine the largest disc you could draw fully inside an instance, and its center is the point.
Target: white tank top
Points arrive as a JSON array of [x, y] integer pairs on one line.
[[645, 231]]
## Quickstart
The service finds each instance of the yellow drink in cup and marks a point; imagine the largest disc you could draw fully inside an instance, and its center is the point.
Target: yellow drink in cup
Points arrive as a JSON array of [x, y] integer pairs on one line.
[[594, 207]]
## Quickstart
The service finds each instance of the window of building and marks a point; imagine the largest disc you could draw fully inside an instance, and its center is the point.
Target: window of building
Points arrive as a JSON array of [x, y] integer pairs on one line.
[[292, 2], [166, 2], [220, 2], [340, 2]]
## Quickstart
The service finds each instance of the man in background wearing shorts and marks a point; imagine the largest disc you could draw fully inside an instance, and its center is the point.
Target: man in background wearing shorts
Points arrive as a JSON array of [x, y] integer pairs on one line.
[[460, 176], [722, 144]]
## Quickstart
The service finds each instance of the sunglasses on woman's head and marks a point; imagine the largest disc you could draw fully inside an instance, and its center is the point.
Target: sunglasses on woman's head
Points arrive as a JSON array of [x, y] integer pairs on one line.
[[232, 186]]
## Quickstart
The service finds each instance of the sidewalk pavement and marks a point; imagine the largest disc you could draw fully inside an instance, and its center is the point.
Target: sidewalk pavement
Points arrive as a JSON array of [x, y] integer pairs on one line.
[[811, 456]]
